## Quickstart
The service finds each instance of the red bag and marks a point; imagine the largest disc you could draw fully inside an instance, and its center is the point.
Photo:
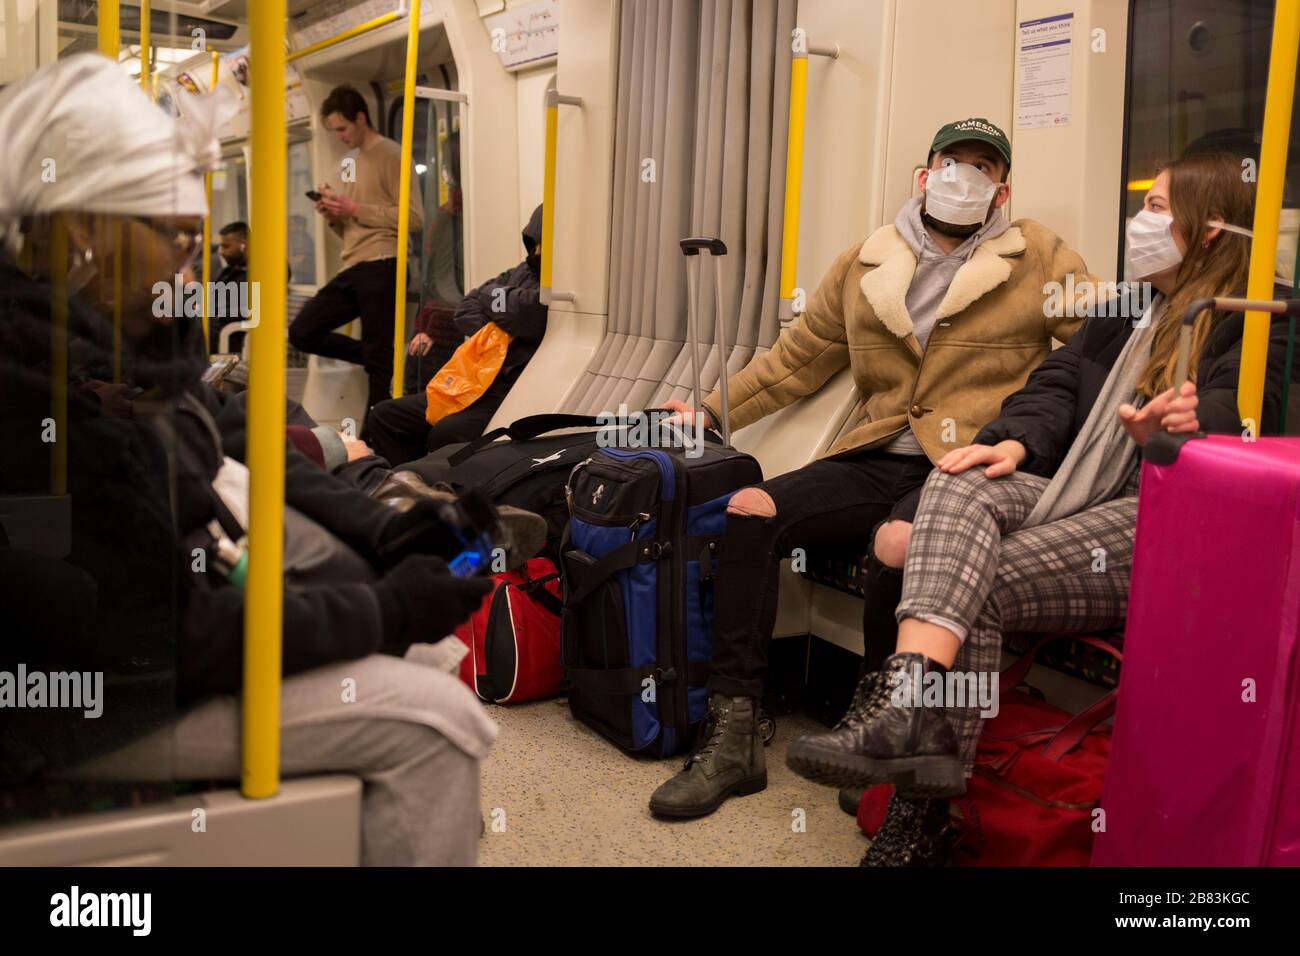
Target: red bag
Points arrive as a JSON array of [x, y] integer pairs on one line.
[[514, 637], [1038, 777]]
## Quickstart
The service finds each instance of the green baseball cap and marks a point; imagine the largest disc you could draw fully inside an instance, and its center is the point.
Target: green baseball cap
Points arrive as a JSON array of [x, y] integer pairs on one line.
[[974, 128]]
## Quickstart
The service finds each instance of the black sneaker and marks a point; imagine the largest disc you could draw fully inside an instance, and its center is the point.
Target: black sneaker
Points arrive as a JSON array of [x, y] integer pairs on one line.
[[881, 741]]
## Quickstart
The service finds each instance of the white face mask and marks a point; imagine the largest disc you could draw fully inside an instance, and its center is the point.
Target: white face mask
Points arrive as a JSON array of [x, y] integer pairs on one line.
[[958, 194], [1151, 246]]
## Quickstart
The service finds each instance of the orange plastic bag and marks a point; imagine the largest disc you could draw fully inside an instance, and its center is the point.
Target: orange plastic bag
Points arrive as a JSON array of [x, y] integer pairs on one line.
[[467, 375]]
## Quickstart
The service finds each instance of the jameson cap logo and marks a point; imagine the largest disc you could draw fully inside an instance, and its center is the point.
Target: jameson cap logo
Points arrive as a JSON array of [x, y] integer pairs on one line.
[[974, 128]]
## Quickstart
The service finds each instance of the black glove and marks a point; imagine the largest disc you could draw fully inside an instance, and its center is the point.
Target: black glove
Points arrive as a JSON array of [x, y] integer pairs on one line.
[[422, 601], [437, 527]]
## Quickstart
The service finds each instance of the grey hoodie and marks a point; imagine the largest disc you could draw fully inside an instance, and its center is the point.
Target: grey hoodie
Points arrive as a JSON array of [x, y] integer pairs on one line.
[[934, 272]]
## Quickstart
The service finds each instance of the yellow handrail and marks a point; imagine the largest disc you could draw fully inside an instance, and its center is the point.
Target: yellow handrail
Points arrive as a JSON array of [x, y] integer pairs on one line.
[[548, 197], [350, 33], [1268, 207], [404, 197], [207, 225], [554, 99], [146, 68], [263, 595], [800, 50], [793, 179], [110, 29], [59, 356]]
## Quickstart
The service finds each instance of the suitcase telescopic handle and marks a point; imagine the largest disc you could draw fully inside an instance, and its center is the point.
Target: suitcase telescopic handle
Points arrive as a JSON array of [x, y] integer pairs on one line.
[[1162, 448], [716, 248], [1222, 304]]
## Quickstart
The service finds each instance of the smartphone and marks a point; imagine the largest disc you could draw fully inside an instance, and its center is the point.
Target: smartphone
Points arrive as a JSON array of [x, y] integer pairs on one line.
[[314, 196]]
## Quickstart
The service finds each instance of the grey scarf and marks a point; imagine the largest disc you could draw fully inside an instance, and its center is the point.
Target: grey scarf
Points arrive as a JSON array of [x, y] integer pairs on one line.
[[1102, 457]]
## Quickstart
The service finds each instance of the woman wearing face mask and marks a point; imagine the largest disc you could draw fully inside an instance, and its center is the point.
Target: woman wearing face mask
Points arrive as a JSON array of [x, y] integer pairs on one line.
[[1007, 530]]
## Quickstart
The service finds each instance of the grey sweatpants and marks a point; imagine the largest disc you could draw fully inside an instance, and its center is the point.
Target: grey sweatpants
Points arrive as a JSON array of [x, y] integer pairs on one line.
[[414, 734]]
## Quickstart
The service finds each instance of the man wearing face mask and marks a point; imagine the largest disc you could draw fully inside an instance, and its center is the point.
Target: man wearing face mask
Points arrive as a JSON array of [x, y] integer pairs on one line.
[[941, 315]]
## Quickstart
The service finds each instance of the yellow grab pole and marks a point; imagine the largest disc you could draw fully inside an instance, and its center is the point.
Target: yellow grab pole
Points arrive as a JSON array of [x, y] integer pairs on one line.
[[146, 66], [1268, 207], [548, 195], [793, 180], [348, 34], [207, 229], [264, 595], [110, 30], [117, 302], [59, 356], [404, 196]]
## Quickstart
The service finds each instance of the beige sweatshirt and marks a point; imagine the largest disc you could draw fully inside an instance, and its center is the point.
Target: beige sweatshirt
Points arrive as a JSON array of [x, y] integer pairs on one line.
[[372, 233]]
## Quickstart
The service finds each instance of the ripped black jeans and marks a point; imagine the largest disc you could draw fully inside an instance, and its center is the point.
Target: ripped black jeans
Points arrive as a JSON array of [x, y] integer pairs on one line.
[[833, 503]]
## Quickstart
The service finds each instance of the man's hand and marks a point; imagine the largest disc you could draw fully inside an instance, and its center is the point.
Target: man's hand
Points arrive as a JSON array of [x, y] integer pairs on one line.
[[420, 344], [339, 206], [1002, 458], [113, 401], [356, 448], [421, 601], [1174, 413]]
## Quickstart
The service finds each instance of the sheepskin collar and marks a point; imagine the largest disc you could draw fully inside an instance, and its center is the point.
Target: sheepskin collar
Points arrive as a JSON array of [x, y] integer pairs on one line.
[[885, 286]]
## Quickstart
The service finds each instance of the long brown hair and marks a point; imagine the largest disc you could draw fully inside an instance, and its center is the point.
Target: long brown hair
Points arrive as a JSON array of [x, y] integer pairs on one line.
[[1202, 186]]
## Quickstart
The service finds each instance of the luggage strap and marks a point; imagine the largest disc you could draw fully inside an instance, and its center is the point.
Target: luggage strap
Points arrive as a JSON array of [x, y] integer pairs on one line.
[[631, 680], [585, 578], [522, 430]]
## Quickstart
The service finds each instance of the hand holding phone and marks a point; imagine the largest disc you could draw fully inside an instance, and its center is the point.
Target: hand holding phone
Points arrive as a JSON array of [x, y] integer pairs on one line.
[[314, 196]]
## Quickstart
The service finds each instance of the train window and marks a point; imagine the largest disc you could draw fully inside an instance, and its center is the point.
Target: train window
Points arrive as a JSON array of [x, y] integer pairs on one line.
[[1198, 70], [302, 218]]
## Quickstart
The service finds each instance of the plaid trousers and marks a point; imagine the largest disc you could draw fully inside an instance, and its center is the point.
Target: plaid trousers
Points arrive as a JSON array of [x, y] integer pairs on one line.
[[968, 562]]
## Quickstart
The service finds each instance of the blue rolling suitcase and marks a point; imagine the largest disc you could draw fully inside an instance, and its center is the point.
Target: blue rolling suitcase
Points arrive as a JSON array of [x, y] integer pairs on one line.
[[639, 555]]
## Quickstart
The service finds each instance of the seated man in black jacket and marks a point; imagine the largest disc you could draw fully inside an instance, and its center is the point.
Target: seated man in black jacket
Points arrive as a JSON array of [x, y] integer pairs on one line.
[[397, 429], [137, 484]]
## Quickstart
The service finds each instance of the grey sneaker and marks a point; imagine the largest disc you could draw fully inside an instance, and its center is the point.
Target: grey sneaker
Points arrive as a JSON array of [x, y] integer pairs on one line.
[[727, 760]]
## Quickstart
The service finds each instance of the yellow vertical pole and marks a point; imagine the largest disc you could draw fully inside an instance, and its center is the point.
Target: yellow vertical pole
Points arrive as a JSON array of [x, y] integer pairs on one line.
[[207, 229], [793, 181], [548, 194], [110, 30], [404, 195], [117, 302], [263, 595], [146, 57], [59, 356], [1268, 206]]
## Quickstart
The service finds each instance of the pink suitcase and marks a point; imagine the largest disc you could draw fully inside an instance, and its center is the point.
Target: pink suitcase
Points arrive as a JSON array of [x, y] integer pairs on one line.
[[1199, 774]]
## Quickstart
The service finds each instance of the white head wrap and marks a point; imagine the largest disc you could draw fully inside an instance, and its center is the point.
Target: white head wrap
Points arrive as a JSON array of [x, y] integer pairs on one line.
[[81, 135]]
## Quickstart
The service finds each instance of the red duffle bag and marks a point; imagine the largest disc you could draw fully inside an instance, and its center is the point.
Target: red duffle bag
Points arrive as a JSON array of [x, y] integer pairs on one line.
[[1038, 779], [514, 637]]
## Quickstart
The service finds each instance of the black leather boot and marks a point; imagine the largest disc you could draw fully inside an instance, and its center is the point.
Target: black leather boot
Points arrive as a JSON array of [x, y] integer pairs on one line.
[[727, 760], [882, 739], [916, 832]]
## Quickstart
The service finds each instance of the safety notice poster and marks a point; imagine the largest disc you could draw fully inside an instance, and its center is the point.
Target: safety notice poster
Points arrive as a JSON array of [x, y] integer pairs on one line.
[[1043, 66]]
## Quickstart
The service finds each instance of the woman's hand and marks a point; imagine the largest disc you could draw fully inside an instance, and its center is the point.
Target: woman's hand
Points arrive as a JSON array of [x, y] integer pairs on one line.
[[1002, 458], [420, 344], [1174, 413]]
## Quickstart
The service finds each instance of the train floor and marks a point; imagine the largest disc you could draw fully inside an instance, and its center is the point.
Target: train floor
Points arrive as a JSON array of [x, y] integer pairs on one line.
[[557, 794]]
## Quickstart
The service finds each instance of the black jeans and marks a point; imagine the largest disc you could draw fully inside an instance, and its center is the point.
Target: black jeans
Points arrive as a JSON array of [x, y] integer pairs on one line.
[[397, 430], [368, 290], [831, 503]]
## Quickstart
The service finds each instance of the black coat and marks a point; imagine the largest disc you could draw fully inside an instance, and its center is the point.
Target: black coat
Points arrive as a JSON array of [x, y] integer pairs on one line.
[[523, 316], [128, 599], [1047, 413]]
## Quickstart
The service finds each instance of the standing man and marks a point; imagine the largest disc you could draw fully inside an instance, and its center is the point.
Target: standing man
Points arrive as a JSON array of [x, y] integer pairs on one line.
[[364, 216]]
